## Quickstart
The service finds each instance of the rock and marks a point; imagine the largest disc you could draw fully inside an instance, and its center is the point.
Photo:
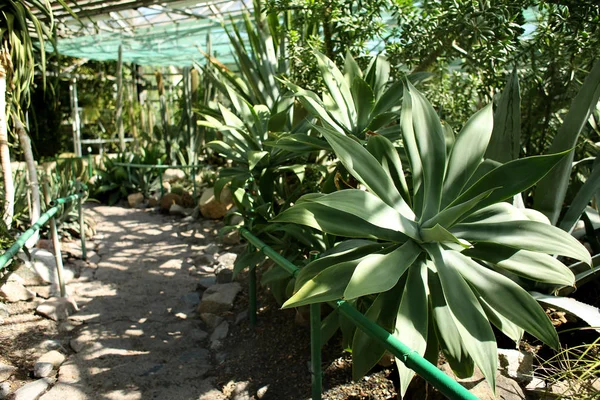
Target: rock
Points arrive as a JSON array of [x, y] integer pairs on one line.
[[65, 391], [227, 260], [224, 274], [212, 208], [216, 345], [77, 345], [69, 373], [47, 363], [198, 335], [220, 332], [260, 393], [190, 300], [4, 313], [168, 200], [173, 175], [93, 257], [44, 265], [241, 391], [212, 394], [135, 200], [4, 390], [57, 308], [176, 209], [152, 202], [29, 275], [44, 292], [33, 390], [15, 291], [205, 283], [211, 249], [206, 258], [219, 298], [506, 388], [211, 320], [50, 344], [241, 317], [6, 371], [231, 237], [516, 364]]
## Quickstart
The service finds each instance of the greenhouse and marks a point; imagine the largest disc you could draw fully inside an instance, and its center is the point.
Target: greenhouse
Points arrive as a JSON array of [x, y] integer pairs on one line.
[[299, 199]]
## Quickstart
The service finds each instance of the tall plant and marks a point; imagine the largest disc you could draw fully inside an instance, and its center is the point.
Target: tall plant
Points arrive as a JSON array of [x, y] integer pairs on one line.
[[434, 255]]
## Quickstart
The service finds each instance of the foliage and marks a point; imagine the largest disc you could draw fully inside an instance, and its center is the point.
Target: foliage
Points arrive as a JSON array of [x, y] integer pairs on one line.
[[435, 255]]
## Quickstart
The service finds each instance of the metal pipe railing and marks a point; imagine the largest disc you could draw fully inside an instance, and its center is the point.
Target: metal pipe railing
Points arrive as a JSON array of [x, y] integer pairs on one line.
[[442, 382], [49, 215]]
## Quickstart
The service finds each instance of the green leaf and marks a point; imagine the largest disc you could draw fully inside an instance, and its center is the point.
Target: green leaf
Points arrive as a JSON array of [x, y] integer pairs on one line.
[[471, 321], [467, 153], [411, 323], [506, 138], [380, 272], [505, 325], [351, 69], [371, 209], [363, 102], [451, 214], [526, 235], [412, 151], [328, 285], [254, 157], [438, 234], [506, 297], [364, 167], [299, 143], [528, 264], [586, 312], [336, 222], [366, 351], [582, 199], [386, 154], [510, 178], [431, 145], [550, 192]]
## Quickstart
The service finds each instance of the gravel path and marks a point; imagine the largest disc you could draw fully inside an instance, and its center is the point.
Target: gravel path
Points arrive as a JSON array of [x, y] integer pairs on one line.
[[136, 335]]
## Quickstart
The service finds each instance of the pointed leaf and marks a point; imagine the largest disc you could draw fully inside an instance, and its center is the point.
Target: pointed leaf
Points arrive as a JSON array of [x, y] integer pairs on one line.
[[384, 151], [582, 199]]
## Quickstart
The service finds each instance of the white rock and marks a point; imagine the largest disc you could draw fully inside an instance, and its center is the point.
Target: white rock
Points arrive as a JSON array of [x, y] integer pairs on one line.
[[4, 390], [14, 291], [516, 364], [65, 391], [135, 200], [6, 371], [260, 393], [57, 308], [173, 175], [44, 265], [47, 363], [33, 390], [219, 298], [227, 259]]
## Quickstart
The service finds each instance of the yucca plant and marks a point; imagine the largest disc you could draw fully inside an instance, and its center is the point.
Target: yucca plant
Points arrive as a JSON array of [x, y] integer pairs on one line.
[[434, 252]]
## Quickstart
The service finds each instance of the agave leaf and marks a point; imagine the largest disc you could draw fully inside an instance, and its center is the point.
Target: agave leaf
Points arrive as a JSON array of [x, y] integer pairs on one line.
[[254, 157], [451, 214], [384, 151], [582, 199], [431, 144], [412, 151], [366, 351], [526, 235], [363, 102], [299, 143], [338, 89], [328, 285], [550, 192], [467, 153], [411, 323], [470, 319], [447, 332], [508, 327], [364, 167], [499, 212], [438, 234], [528, 264], [225, 150], [506, 297], [588, 313], [388, 99], [351, 69], [510, 178], [506, 138], [370, 208], [336, 222], [380, 272]]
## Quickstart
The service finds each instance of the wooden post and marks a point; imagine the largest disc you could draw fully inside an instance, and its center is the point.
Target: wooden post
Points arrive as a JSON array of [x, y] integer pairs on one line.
[[119, 115]]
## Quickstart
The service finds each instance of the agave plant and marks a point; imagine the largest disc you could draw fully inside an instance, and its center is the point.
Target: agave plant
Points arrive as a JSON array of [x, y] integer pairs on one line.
[[434, 252]]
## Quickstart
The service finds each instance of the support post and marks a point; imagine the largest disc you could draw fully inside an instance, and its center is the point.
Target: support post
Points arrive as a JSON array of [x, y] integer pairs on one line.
[[194, 181], [82, 229], [56, 244], [119, 116], [90, 166], [252, 295], [76, 119], [315, 351]]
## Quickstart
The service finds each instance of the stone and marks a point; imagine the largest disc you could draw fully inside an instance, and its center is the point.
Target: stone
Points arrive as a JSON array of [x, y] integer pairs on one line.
[[219, 298], [33, 390], [205, 258], [135, 200], [168, 200], [48, 362], [173, 175], [176, 209], [212, 394], [15, 291], [65, 391], [506, 388], [93, 257], [227, 259], [6, 371], [69, 373], [50, 344], [57, 308], [211, 249], [190, 300], [205, 283], [241, 391], [211, 320], [216, 345], [4, 390], [220, 332], [29, 275], [77, 344], [213, 208], [231, 237], [152, 202], [224, 274], [260, 393], [44, 264], [516, 364], [241, 317], [198, 335], [4, 313]]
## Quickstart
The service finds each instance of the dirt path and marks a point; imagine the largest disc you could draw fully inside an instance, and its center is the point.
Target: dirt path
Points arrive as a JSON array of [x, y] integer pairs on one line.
[[136, 335]]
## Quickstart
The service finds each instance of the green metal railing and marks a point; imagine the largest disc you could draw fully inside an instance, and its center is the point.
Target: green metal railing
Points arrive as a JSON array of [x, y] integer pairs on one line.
[[49, 216], [442, 382], [161, 168]]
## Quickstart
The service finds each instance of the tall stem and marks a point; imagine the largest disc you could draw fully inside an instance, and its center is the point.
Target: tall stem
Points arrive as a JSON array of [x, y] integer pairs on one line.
[[32, 173], [9, 187]]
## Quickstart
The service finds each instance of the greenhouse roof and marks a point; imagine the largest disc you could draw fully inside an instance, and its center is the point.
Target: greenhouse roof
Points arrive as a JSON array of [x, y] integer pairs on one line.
[[151, 32]]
